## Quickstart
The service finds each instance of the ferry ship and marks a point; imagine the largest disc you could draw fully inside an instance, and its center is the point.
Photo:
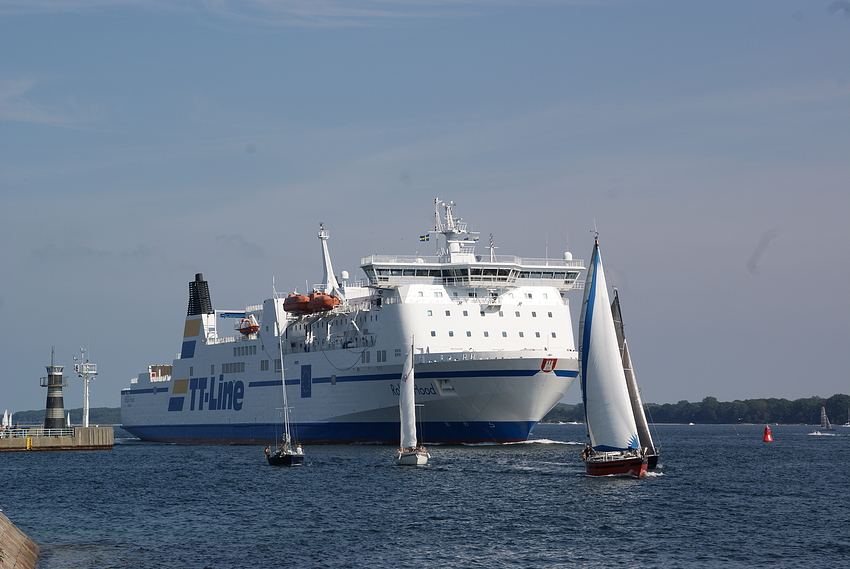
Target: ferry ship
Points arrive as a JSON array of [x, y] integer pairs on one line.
[[492, 339]]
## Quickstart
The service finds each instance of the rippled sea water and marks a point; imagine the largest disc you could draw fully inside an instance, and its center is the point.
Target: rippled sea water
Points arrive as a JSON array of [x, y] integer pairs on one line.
[[722, 498]]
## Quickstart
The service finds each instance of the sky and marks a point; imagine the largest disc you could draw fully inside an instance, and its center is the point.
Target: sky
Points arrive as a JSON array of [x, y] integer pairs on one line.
[[707, 142]]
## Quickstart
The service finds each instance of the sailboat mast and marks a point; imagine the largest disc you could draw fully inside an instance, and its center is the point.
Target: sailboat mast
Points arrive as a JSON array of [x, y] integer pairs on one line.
[[283, 389]]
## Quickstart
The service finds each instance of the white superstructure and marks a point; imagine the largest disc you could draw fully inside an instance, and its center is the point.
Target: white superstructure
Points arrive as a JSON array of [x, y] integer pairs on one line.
[[494, 352]]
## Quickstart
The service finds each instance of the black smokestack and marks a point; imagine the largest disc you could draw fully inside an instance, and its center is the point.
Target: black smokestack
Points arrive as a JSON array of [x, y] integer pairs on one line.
[[199, 297]]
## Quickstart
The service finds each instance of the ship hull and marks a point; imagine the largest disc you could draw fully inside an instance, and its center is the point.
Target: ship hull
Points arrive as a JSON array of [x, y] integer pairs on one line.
[[481, 399]]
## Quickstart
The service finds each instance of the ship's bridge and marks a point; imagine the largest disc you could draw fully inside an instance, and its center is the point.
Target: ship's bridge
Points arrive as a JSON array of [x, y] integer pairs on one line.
[[390, 271]]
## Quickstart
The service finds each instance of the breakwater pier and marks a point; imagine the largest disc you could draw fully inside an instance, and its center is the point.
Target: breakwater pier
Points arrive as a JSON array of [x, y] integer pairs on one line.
[[69, 438]]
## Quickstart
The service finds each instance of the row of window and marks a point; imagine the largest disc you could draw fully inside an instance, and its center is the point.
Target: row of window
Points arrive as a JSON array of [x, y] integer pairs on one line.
[[238, 367], [235, 367], [526, 295], [245, 351], [518, 314], [487, 334], [476, 274]]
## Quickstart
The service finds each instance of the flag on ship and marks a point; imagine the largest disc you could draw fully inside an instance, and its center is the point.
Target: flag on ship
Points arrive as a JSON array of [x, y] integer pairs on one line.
[[424, 237]]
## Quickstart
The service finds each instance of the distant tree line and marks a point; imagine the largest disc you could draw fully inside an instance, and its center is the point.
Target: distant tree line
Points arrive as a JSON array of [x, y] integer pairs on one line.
[[97, 416], [710, 410]]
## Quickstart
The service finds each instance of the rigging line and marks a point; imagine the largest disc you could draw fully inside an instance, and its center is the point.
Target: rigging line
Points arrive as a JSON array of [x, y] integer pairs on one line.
[[359, 354], [655, 442]]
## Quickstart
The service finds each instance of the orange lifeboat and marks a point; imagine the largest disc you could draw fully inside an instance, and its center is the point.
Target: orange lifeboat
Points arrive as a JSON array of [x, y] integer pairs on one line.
[[297, 304], [248, 326], [320, 301]]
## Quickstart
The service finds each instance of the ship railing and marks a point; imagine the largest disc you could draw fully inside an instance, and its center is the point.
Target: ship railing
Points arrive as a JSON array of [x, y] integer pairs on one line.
[[223, 340], [459, 355], [332, 343], [483, 259], [36, 432]]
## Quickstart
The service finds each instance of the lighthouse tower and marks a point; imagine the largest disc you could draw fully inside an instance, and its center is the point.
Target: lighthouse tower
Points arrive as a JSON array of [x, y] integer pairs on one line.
[[54, 417]]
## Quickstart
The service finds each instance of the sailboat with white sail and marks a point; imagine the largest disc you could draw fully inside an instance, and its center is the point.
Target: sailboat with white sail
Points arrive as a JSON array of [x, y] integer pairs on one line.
[[288, 452], [614, 443], [410, 452], [825, 425], [649, 449]]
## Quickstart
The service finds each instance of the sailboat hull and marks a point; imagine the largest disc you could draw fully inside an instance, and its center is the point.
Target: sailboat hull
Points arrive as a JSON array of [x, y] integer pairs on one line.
[[286, 459], [418, 458], [652, 461], [633, 466]]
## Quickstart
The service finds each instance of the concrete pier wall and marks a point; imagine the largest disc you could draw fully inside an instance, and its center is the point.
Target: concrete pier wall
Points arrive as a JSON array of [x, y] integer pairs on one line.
[[17, 551], [85, 438]]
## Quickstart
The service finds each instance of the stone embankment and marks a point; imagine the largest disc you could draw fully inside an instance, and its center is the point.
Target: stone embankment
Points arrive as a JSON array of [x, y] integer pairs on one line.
[[17, 551]]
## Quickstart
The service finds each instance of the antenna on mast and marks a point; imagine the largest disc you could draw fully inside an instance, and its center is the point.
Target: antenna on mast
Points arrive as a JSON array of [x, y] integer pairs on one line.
[[87, 371]]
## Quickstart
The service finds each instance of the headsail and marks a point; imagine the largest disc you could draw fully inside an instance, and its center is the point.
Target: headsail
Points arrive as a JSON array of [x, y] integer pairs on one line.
[[407, 404], [608, 411], [631, 382]]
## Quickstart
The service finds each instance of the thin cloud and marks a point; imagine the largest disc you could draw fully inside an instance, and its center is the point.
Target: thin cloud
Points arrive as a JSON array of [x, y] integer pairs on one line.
[[17, 104], [290, 13]]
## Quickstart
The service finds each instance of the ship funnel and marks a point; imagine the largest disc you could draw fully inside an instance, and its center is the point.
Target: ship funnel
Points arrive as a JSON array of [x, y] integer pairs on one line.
[[199, 297]]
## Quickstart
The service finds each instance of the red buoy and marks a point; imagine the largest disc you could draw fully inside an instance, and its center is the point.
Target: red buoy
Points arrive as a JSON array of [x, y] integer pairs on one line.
[[768, 438]]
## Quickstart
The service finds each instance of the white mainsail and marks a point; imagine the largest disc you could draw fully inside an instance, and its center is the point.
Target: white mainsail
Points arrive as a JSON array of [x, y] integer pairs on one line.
[[407, 404], [607, 407], [824, 420]]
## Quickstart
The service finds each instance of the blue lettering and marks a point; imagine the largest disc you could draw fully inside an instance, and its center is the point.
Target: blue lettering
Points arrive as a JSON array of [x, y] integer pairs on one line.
[[430, 390], [193, 385], [202, 387], [226, 397], [238, 394], [212, 406], [220, 388]]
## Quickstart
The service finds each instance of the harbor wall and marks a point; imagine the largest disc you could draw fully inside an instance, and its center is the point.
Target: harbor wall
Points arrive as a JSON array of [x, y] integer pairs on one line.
[[84, 438], [17, 551]]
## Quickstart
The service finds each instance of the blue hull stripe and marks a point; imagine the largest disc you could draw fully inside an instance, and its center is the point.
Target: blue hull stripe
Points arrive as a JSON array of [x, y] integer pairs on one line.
[[149, 391], [428, 375], [315, 433]]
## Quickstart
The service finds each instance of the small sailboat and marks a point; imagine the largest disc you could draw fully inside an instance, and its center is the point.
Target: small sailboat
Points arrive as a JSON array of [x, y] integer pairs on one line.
[[288, 452], [614, 443], [650, 451], [410, 452], [825, 425]]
